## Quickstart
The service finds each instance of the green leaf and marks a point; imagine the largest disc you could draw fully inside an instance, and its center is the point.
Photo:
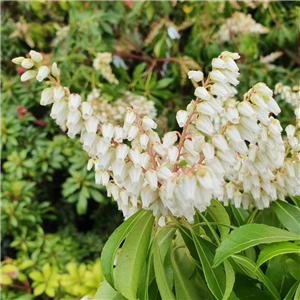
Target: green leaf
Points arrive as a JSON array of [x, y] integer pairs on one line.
[[112, 245], [240, 215], [249, 266], [184, 288], [297, 294], [138, 71], [276, 249], [96, 195], [296, 200], [230, 279], [288, 215], [290, 294], [132, 256], [163, 83], [161, 244], [219, 215], [293, 268], [81, 205], [215, 278], [105, 292], [251, 235]]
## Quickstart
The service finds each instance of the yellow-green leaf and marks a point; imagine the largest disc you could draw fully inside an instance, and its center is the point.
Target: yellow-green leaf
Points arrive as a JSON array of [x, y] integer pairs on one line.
[[40, 288], [37, 276]]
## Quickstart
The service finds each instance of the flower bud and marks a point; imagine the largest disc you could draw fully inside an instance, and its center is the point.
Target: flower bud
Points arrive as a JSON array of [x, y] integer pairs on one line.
[[42, 73], [55, 70], [36, 56], [28, 75], [18, 60], [27, 63]]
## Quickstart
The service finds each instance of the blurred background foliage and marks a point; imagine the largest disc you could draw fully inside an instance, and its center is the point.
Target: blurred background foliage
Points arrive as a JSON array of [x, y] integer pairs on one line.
[[55, 220]]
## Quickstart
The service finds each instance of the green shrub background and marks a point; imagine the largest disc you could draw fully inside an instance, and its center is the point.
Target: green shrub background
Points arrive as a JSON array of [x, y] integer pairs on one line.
[[55, 220]]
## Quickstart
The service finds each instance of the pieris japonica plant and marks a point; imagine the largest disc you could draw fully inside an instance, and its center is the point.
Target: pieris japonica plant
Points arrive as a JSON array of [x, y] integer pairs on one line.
[[174, 190]]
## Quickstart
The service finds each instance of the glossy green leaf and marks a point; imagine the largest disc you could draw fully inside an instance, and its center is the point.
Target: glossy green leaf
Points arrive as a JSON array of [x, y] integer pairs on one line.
[[105, 292], [184, 288], [215, 277], [219, 215], [230, 279], [288, 214], [293, 267], [132, 256], [112, 245], [250, 235], [160, 247], [290, 294], [250, 267], [276, 249]]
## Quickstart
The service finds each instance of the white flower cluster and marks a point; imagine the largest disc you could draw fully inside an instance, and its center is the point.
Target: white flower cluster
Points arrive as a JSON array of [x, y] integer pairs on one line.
[[244, 160], [239, 23], [290, 95], [115, 111], [102, 63], [270, 58]]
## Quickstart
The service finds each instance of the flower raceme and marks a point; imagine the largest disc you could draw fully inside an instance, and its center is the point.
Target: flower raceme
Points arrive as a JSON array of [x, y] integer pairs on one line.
[[227, 149]]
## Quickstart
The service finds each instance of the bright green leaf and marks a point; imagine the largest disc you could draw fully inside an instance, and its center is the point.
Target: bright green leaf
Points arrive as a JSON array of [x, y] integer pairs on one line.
[[276, 249], [132, 256], [288, 214], [251, 235]]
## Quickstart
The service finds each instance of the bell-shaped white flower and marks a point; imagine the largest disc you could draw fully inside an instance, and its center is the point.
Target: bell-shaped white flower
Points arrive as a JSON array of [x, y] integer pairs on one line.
[[47, 96], [86, 110], [202, 93], [181, 117], [163, 173], [173, 154], [36, 56], [58, 93], [218, 63], [233, 134], [204, 124], [121, 152], [132, 132], [118, 134], [73, 118], [144, 140], [290, 131], [43, 72], [216, 75], [74, 102], [208, 152], [195, 75], [148, 123], [91, 124], [220, 142], [169, 139], [151, 178], [246, 109], [107, 131]]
